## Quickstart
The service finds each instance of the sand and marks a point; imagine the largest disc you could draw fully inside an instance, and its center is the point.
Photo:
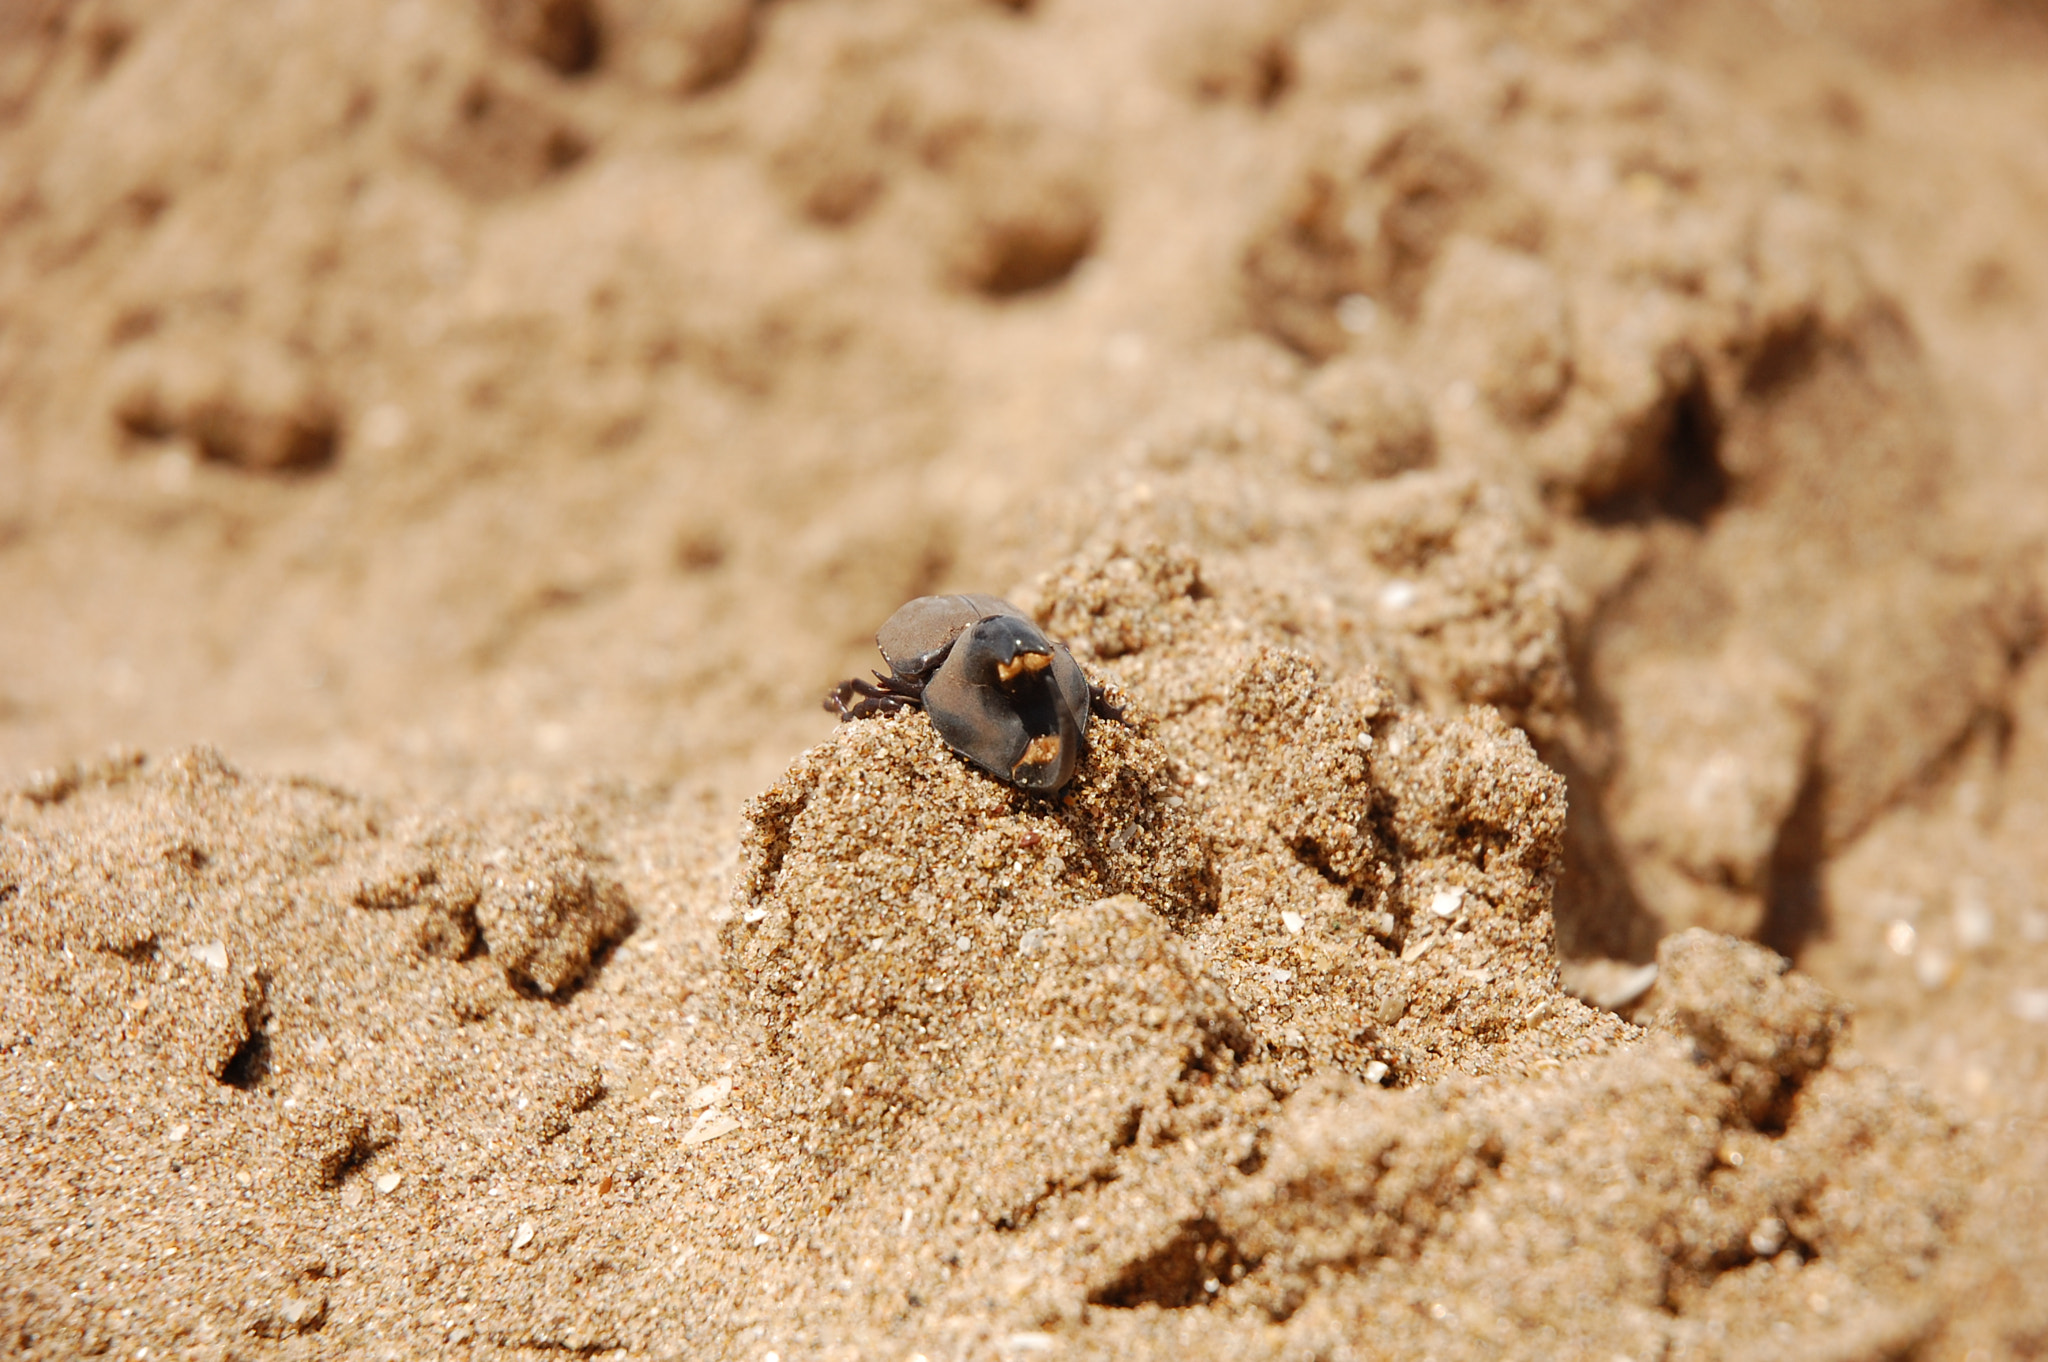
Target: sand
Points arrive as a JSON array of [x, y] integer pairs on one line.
[[1553, 491]]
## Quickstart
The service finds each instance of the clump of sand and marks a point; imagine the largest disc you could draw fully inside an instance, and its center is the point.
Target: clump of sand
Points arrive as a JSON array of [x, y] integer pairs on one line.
[[1314, 1076], [1251, 1040]]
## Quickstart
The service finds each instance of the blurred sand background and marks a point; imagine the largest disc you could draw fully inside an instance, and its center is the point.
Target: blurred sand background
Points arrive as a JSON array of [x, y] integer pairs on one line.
[[1545, 477]]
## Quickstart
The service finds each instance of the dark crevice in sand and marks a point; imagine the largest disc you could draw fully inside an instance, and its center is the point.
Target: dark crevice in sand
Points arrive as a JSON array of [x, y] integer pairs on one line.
[[56, 785], [250, 1063], [560, 995], [138, 952], [1191, 1268], [555, 1345], [1696, 484], [1784, 357], [1796, 911], [1685, 481]]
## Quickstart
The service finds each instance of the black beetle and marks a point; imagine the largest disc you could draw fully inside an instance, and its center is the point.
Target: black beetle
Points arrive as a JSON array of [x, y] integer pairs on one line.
[[1001, 693]]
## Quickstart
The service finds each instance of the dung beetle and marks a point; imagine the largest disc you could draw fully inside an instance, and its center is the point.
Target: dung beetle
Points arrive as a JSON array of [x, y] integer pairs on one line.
[[1001, 693]]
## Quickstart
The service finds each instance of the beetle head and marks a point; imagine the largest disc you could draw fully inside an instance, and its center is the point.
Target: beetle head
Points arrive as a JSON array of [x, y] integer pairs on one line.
[[1015, 647]]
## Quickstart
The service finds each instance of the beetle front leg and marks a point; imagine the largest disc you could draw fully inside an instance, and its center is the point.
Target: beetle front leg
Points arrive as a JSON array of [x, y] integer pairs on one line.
[[885, 695]]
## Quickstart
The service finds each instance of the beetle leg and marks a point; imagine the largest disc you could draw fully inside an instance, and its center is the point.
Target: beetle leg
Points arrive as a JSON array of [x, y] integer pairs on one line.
[[836, 702], [885, 695], [904, 692], [842, 700], [886, 704]]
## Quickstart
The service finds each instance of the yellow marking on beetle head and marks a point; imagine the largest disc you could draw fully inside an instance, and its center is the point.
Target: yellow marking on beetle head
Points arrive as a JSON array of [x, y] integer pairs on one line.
[[1006, 672], [1043, 751]]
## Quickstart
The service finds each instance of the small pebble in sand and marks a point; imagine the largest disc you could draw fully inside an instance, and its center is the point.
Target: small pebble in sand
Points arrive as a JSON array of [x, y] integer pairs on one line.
[[1293, 922], [1768, 1237], [1609, 984], [212, 954], [1357, 314], [1397, 596], [1974, 921], [1935, 969], [2030, 1004], [522, 1236], [1901, 937], [1376, 1072], [1125, 350], [387, 1183], [173, 470], [299, 1313], [1446, 902], [385, 426]]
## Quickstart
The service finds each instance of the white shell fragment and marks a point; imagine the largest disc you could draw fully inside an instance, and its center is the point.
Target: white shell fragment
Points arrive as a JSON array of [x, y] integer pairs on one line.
[[710, 1126], [1768, 1237], [1608, 984], [1976, 925], [212, 954], [711, 1094]]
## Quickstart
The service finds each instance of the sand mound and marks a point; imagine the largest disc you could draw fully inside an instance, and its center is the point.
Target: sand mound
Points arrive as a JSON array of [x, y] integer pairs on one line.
[[1152, 1094], [1005, 1066]]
